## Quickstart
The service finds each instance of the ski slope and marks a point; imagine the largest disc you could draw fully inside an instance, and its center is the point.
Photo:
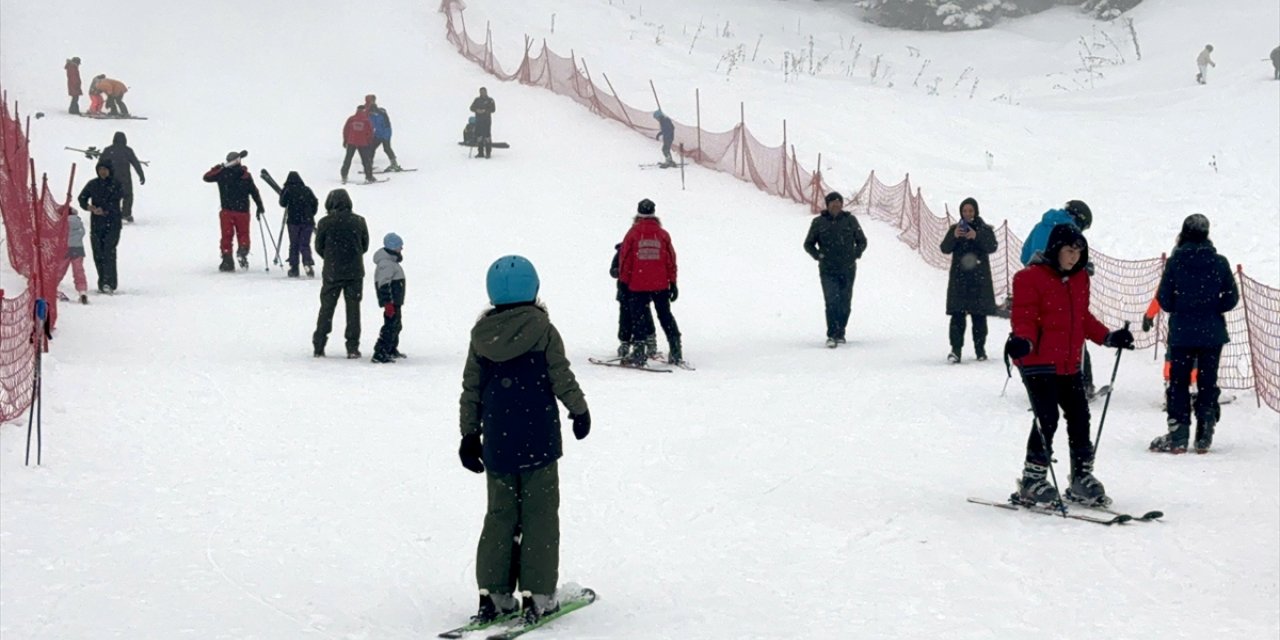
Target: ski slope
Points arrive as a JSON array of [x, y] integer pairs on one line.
[[205, 477]]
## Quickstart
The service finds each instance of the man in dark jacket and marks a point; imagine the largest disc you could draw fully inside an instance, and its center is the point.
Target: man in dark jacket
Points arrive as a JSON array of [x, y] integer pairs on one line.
[[235, 187], [836, 241], [72, 67], [483, 106], [381, 122], [1196, 290], [101, 197], [667, 133], [123, 163], [969, 242], [300, 205], [342, 239]]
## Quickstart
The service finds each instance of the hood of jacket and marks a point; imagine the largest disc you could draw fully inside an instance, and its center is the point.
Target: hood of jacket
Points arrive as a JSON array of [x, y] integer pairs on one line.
[[295, 180], [338, 200], [119, 139], [508, 331], [387, 256], [1062, 236], [111, 172]]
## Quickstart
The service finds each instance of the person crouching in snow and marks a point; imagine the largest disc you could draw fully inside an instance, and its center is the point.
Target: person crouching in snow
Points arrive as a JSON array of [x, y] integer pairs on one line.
[[388, 279], [1050, 322], [516, 370]]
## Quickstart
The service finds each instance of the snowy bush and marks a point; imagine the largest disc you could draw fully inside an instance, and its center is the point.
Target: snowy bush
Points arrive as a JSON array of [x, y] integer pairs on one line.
[[1108, 9], [959, 15]]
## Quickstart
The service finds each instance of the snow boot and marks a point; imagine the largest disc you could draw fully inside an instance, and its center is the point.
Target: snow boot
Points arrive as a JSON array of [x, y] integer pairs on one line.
[[382, 358], [293, 272], [394, 167], [353, 354], [537, 605], [1034, 486], [494, 606], [84, 299], [831, 343], [1204, 435], [954, 356], [128, 219], [1175, 441], [675, 354], [228, 264], [311, 273], [242, 256], [395, 353], [1085, 489], [840, 340], [980, 354]]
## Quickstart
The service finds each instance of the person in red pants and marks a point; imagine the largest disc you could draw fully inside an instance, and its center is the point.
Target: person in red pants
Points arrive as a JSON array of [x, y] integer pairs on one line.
[[235, 187]]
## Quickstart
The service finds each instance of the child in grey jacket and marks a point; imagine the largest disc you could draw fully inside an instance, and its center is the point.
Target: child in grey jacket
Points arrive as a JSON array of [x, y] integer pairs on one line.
[[75, 253], [388, 279]]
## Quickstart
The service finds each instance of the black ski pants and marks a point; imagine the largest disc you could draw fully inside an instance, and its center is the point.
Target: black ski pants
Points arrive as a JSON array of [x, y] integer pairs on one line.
[[126, 205], [625, 326], [979, 332], [484, 136], [351, 291], [75, 105], [104, 236], [642, 321], [366, 161], [389, 337], [1048, 393], [837, 291], [117, 107], [1178, 396], [385, 145]]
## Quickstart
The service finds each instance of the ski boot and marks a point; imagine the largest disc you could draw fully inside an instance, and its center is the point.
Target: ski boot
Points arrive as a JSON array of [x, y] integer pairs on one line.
[[1085, 489], [494, 606], [651, 345], [623, 349], [107, 289], [84, 298], [394, 167], [344, 179], [639, 355], [840, 339], [128, 219], [382, 358], [954, 356], [311, 273], [228, 264], [242, 256], [537, 606], [319, 350], [1204, 435], [395, 353], [1175, 441], [1034, 487], [675, 354]]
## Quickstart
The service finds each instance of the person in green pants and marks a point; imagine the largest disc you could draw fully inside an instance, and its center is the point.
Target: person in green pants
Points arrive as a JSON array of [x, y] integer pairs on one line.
[[516, 370]]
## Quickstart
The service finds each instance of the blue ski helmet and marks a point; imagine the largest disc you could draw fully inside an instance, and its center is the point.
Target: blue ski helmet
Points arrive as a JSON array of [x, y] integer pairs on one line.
[[512, 279], [393, 242]]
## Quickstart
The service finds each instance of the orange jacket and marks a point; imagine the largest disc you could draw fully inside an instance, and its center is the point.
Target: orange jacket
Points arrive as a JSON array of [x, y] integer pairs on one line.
[[113, 88]]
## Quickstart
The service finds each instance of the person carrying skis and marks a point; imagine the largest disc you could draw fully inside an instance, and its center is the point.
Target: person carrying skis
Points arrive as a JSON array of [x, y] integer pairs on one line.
[[72, 67], [516, 370], [357, 137], [1203, 62], [235, 187], [300, 205], [388, 282], [114, 90], [837, 242], [381, 131], [1197, 289], [484, 107], [75, 254], [647, 268], [624, 313], [123, 163], [667, 133], [1050, 323], [969, 242], [342, 239], [101, 197]]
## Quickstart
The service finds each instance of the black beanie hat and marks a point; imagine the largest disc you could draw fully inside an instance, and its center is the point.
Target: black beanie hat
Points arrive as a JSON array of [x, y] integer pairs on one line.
[[834, 196], [1194, 229], [645, 208]]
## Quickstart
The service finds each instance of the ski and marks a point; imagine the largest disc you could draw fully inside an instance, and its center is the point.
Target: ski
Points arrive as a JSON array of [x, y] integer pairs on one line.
[[566, 607], [477, 626], [1054, 511], [364, 182], [104, 116], [495, 145], [393, 170], [660, 165], [662, 359], [1150, 516], [617, 362]]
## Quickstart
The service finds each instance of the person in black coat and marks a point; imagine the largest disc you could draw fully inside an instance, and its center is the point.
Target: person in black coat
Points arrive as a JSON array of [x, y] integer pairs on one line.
[[483, 106], [123, 162], [836, 241], [342, 239], [969, 242], [300, 205], [101, 197], [1196, 290]]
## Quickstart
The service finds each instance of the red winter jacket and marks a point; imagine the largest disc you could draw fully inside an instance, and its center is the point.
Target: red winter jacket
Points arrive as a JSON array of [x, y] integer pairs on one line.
[[1052, 311], [647, 261], [73, 79], [358, 132]]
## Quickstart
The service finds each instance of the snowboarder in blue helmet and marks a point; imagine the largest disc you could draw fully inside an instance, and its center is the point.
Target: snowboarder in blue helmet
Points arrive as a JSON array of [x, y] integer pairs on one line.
[[667, 132], [516, 370]]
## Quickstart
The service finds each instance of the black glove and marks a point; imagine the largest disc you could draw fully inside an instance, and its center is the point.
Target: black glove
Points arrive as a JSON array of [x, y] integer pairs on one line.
[[675, 292], [1017, 348], [1088, 268], [581, 425], [1147, 323], [261, 211], [470, 452], [1119, 339]]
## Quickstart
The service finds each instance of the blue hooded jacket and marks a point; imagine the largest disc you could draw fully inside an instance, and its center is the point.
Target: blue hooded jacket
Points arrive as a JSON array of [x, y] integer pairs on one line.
[[381, 124], [1039, 238]]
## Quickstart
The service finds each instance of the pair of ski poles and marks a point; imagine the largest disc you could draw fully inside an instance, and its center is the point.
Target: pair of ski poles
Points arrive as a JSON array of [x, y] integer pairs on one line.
[[266, 235]]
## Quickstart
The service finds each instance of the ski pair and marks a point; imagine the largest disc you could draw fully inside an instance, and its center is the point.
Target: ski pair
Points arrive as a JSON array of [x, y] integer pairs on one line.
[[618, 362], [522, 626], [1117, 517]]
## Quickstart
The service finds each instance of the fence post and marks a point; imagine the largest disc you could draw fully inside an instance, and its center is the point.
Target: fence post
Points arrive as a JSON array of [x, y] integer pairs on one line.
[[546, 61], [785, 182], [595, 108], [1248, 336], [697, 103], [742, 136], [621, 107], [817, 184]]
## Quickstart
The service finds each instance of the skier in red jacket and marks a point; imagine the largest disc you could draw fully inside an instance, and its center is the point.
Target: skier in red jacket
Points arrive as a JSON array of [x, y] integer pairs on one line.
[[1050, 322], [357, 136], [647, 267]]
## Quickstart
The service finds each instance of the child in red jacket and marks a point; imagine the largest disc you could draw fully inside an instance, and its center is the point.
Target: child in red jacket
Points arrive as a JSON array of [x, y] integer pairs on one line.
[[1050, 322]]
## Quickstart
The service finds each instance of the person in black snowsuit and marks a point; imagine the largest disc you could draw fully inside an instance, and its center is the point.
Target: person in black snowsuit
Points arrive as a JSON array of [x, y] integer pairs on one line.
[[969, 242], [667, 132], [123, 160], [1196, 290], [836, 241], [342, 239], [101, 196], [483, 106], [300, 205]]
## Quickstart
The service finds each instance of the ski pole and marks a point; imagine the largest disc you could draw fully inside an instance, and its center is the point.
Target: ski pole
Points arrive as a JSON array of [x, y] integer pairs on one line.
[[265, 266], [1044, 443], [270, 237], [1107, 403], [280, 237]]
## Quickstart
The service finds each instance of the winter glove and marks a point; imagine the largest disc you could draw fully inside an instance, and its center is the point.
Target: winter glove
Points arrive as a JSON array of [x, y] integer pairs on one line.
[[1017, 348], [142, 180], [1088, 268], [261, 211], [674, 291], [389, 309], [581, 425], [1147, 323], [1119, 339], [470, 452]]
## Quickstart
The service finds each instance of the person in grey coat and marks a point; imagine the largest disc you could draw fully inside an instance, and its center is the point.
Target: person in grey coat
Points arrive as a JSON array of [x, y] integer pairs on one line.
[[388, 281], [75, 254], [969, 242], [1203, 62], [836, 241]]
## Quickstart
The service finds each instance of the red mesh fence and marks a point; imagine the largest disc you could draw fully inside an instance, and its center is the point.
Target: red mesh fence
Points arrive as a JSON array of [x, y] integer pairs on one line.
[[1122, 289], [36, 232]]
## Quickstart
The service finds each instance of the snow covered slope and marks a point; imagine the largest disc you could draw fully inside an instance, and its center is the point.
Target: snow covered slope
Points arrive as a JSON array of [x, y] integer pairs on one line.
[[206, 478]]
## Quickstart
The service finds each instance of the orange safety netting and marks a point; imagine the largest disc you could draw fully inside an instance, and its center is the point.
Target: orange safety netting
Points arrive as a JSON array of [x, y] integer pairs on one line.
[[1122, 289]]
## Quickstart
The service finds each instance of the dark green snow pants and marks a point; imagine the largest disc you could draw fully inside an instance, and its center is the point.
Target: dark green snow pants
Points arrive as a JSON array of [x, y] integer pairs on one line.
[[525, 505]]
